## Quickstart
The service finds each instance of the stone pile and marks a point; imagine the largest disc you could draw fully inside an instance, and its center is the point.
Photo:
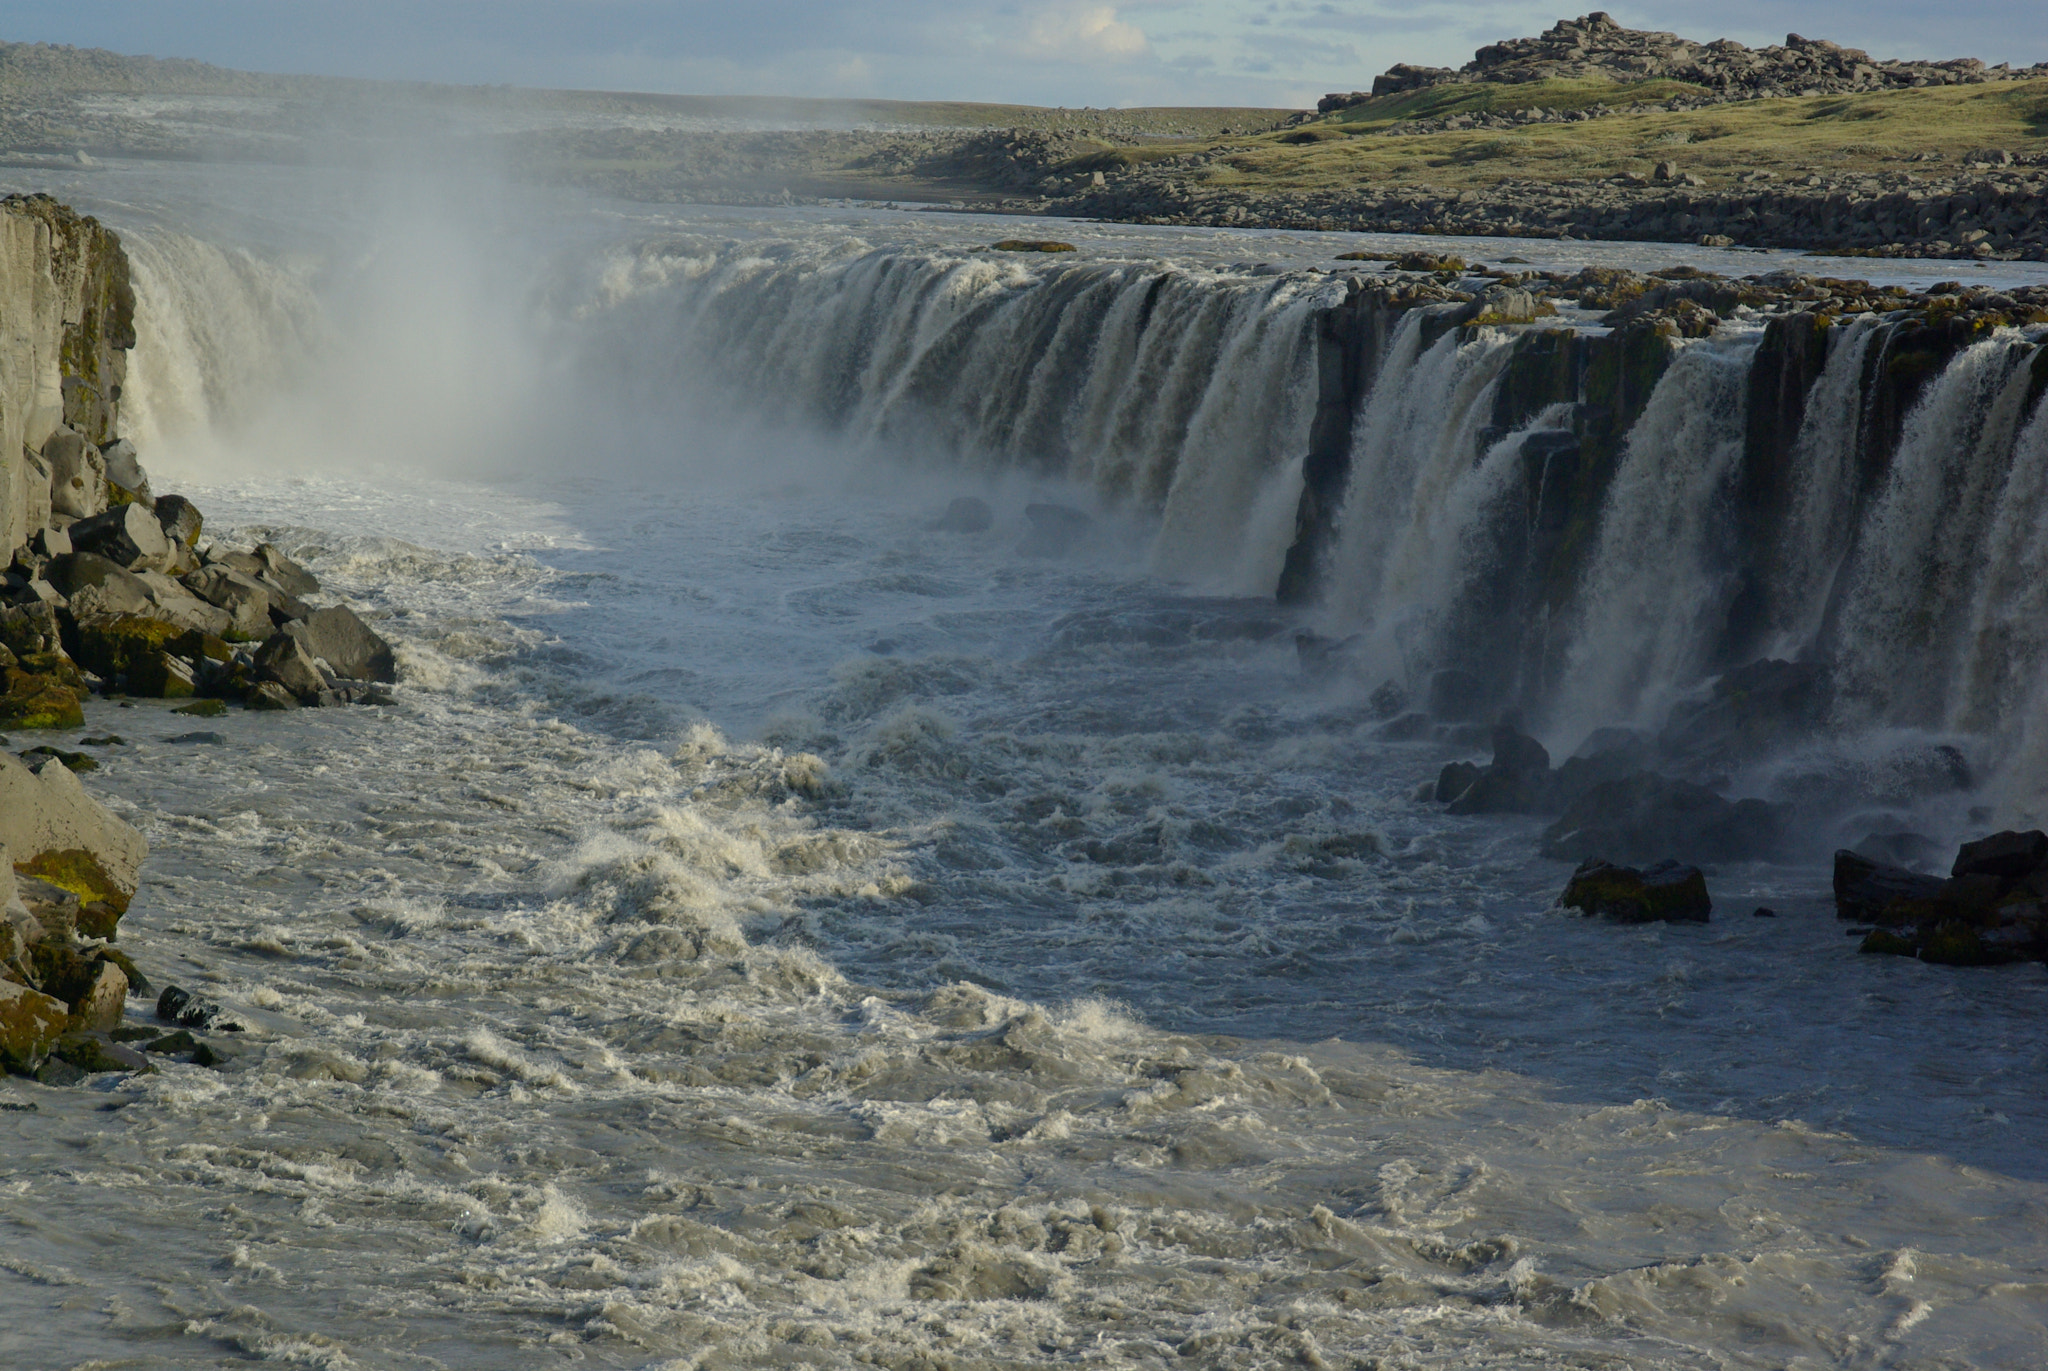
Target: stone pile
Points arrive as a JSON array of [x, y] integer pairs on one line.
[[1596, 46], [116, 594], [1992, 907]]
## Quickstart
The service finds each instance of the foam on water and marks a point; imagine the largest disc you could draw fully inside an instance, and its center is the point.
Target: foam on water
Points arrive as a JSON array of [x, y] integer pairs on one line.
[[772, 931]]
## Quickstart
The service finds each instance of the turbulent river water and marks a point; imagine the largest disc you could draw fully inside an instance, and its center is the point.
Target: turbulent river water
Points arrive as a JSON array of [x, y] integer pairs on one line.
[[772, 930]]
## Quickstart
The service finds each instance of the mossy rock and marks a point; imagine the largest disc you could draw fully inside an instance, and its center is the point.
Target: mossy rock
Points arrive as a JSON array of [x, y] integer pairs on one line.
[[1955, 943], [1887, 942], [161, 676], [31, 700], [73, 761], [114, 645], [203, 709], [1031, 245], [79, 872]]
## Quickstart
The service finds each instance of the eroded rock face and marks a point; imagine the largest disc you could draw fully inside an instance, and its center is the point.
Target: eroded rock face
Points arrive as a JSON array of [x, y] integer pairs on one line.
[[65, 292]]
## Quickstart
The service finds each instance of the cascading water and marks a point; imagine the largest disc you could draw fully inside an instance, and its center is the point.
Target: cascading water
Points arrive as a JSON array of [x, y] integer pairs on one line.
[[1818, 526], [1186, 392], [1416, 441], [1658, 581], [1919, 553]]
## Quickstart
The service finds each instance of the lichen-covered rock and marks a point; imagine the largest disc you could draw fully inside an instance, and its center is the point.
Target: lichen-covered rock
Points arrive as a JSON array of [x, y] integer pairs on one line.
[[39, 699], [1665, 893], [30, 1025], [180, 520], [78, 479], [54, 830]]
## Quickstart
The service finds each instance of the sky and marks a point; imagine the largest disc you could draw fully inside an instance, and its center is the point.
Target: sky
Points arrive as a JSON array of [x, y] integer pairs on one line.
[[1282, 53]]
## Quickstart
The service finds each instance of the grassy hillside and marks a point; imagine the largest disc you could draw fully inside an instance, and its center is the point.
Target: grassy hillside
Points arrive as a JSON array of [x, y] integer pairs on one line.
[[1831, 135]]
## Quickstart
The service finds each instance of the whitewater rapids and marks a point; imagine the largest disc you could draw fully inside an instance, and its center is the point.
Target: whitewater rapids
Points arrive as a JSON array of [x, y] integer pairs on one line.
[[772, 932]]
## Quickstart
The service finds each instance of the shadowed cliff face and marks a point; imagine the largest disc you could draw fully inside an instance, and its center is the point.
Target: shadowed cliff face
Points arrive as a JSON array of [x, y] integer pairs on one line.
[[70, 320]]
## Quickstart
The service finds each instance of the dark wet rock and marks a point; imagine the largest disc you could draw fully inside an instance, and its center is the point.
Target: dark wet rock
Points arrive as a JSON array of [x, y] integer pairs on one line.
[[94, 1053], [269, 695], [1763, 912], [1456, 696], [349, 646], [74, 761], [966, 514], [1899, 848], [203, 709], [59, 1074], [200, 739], [1514, 750], [1667, 892], [1455, 779], [1642, 817], [179, 1006], [2005, 857], [179, 519], [1055, 530], [1608, 754], [1517, 781], [169, 1043]]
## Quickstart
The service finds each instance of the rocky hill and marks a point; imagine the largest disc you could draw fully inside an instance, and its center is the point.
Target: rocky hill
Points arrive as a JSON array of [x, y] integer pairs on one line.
[[1596, 46]]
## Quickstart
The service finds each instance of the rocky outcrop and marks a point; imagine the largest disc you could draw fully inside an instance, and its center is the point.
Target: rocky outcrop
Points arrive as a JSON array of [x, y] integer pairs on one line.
[[109, 589], [70, 320], [1595, 46], [1992, 908]]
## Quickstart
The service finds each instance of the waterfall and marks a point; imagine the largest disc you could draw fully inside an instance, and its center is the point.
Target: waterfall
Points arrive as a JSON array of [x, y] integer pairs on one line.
[[1820, 522], [1661, 571], [1417, 437], [1185, 392], [1920, 551], [1560, 512], [217, 330]]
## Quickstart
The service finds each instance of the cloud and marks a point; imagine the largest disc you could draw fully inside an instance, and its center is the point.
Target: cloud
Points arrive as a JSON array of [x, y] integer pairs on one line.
[[1083, 33]]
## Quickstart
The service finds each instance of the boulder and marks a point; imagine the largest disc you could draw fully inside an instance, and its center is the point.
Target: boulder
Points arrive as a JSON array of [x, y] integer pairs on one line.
[[54, 830], [244, 599], [2005, 857], [180, 520], [127, 535], [1642, 816], [1665, 893], [1514, 750], [284, 573], [966, 514], [98, 1010], [1455, 779], [40, 691], [284, 661], [1607, 754], [30, 1025], [1390, 700], [1872, 892], [269, 695], [78, 478], [349, 646], [177, 605], [113, 645], [123, 592], [126, 479]]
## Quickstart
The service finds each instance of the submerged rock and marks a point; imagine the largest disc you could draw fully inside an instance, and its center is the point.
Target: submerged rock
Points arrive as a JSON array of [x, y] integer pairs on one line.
[[1055, 529], [1665, 893], [966, 514]]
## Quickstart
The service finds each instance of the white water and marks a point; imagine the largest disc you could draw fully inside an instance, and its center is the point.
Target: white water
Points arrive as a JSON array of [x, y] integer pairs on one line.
[[1919, 552], [770, 932], [1822, 487], [1659, 579]]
